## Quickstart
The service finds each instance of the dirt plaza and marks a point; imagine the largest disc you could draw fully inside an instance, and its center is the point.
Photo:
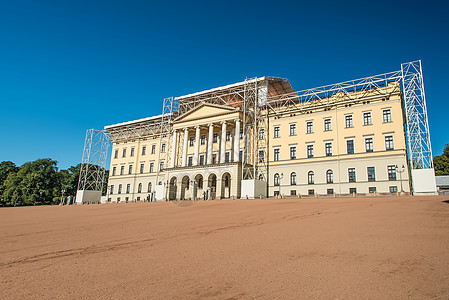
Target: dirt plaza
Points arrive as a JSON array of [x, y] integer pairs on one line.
[[339, 248]]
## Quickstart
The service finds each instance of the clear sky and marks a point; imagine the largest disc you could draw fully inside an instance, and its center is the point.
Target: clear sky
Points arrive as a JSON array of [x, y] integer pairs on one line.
[[67, 66]]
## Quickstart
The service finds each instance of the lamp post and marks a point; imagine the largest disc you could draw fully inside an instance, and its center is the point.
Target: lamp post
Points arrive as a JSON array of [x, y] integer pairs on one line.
[[400, 171], [166, 191], [62, 197], [280, 177]]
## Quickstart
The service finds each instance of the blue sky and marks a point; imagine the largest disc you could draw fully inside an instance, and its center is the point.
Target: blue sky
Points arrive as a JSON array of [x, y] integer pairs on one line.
[[67, 66]]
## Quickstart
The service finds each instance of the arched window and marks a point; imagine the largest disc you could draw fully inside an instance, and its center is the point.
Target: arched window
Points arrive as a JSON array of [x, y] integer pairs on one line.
[[277, 179], [293, 178], [329, 176], [149, 187], [139, 188], [311, 177]]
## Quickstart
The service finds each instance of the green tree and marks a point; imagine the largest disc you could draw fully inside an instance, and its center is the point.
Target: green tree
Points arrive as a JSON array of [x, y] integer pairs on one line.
[[441, 162], [6, 167], [36, 182]]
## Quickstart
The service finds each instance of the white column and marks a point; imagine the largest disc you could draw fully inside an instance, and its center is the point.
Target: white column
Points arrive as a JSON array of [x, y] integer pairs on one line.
[[173, 149], [197, 146], [237, 140], [210, 141], [184, 147], [223, 142]]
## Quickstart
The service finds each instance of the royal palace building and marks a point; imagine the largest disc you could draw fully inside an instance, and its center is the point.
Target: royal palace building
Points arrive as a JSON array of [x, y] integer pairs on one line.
[[260, 138]]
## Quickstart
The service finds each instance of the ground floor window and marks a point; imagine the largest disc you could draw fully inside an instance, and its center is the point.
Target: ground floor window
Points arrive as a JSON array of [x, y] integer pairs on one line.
[[330, 191], [311, 192], [352, 191], [276, 193], [292, 192], [393, 189], [372, 189], [138, 198]]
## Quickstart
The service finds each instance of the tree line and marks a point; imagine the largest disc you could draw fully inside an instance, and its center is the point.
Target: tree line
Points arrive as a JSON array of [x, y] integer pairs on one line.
[[441, 162], [38, 182]]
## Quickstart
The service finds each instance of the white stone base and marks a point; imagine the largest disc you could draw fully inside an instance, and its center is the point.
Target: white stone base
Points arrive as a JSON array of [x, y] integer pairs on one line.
[[85, 196], [253, 188]]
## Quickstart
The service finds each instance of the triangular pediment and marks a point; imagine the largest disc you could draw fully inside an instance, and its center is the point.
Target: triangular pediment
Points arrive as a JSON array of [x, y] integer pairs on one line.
[[203, 111]]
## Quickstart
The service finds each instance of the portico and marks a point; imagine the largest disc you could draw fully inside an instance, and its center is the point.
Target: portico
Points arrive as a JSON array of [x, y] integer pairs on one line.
[[205, 146]]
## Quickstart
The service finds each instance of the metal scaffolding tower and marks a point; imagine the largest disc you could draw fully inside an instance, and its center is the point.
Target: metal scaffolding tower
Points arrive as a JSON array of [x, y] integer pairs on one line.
[[93, 166], [417, 124]]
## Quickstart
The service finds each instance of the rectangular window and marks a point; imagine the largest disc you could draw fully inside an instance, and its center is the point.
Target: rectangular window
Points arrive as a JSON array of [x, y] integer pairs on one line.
[[276, 193], [215, 138], [191, 141], [241, 155], [350, 146], [327, 124], [132, 152], [386, 113], [261, 156], [122, 170], [203, 139], [352, 191], [277, 154], [153, 149], [128, 187], [124, 152], [372, 189], [151, 167], [144, 150], [114, 170], [142, 166], [351, 174], [202, 160], [227, 157], [163, 148], [311, 192], [391, 172], [371, 174], [389, 145], [111, 189], [309, 127], [393, 189], [292, 152], [328, 149], [214, 158], [367, 120], [292, 192], [190, 161], [241, 134], [330, 191], [116, 153], [276, 131], [348, 121], [292, 129], [369, 145], [261, 134], [309, 151], [119, 189], [228, 136], [130, 169], [161, 166]]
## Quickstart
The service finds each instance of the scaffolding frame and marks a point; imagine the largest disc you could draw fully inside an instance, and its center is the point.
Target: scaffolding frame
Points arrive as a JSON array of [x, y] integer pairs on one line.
[[418, 133], [93, 164]]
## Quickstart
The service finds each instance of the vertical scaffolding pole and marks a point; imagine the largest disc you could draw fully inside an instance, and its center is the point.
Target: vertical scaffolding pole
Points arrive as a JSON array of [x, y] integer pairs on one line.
[[93, 166], [417, 129]]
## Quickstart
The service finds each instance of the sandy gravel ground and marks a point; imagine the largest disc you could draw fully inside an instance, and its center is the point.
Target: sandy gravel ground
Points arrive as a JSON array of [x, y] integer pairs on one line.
[[355, 248]]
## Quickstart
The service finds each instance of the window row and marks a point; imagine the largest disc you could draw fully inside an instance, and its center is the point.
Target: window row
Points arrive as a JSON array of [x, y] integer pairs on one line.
[[141, 169], [311, 192], [327, 123], [328, 148], [128, 188], [371, 173], [144, 150]]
